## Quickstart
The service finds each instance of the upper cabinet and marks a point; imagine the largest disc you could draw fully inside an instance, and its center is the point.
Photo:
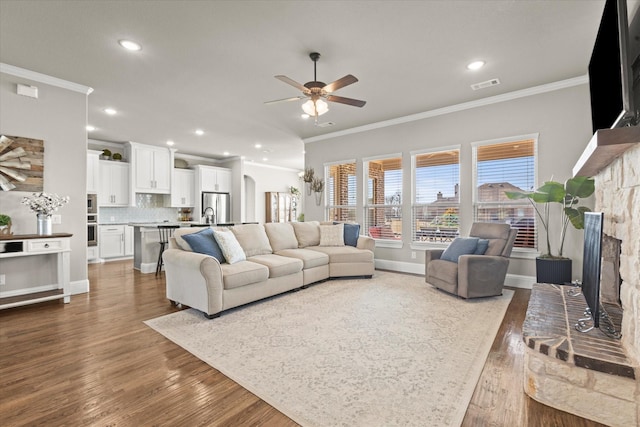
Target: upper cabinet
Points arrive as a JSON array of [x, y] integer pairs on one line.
[[183, 188], [152, 167], [93, 175], [113, 189], [212, 178]]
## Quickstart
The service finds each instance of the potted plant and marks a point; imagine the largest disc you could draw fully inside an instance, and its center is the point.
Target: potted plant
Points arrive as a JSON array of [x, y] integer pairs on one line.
[[106, 154], [308, 179], [317, 185], [117, 157], [553, 267], [5, 224]]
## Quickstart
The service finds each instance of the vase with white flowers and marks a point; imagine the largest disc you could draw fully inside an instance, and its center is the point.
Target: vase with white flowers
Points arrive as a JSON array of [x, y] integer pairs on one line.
[[44, 205]]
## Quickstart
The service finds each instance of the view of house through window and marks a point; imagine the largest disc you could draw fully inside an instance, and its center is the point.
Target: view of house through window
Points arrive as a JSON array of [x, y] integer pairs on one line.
[[500, 167], [383, 207], [341, 191], [436, 196]]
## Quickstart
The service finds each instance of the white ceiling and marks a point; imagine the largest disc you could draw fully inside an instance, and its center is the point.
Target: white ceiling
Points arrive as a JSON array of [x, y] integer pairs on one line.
[[211, 64]]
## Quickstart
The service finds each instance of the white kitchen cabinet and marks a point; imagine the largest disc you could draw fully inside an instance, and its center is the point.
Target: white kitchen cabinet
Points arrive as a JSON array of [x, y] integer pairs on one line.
[[128, 240], [211, 178], [183, 188], [93, 174], [113, 189], [111, 241], [151, 169]]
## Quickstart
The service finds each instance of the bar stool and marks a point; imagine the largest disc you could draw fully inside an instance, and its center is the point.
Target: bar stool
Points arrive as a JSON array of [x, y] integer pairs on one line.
[[166, 231]]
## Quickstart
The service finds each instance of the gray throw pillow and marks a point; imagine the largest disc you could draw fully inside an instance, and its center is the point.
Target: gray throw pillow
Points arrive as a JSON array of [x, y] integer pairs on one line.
[[483, 244], [460, 246]]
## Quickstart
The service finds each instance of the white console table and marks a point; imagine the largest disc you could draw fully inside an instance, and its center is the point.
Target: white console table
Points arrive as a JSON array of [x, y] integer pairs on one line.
[[32, 245]]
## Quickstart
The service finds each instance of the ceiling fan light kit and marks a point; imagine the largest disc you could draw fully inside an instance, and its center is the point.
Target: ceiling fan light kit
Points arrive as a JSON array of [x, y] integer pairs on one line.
[[318, 92]]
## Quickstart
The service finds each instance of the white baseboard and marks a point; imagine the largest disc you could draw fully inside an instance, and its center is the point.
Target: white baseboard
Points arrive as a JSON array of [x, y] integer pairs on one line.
[[513, 280], [79, 287]]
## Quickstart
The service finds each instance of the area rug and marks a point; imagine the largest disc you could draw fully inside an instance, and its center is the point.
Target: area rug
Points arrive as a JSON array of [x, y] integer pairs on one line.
[[389, 351]]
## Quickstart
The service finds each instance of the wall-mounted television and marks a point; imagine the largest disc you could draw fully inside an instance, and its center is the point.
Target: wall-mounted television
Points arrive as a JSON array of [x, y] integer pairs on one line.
[[591, 263], [610, 69]]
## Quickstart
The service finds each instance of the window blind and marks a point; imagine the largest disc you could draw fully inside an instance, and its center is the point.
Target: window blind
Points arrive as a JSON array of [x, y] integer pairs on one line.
[[383, 198]]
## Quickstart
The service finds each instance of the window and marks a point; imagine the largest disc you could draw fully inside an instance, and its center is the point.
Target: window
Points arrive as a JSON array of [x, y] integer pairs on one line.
[[506, 166], [341, 191], [436, 195], [383, 207]]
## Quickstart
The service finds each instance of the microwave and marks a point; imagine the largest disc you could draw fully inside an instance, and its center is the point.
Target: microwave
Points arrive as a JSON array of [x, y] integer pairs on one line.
[[92, 203]]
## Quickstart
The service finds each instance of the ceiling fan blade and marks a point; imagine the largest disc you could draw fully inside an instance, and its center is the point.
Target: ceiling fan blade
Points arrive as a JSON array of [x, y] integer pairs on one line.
[[345, 81], [292, 83], [348, 101], [294, 98]]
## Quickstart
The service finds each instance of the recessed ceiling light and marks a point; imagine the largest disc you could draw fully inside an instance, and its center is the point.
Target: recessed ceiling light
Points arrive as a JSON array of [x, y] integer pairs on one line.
[[90, 128], [170, 142], [304, 116], [264, 159], [226, 153], [258, 145], [475, 65], [110, 111], [199, 132], [130, 45]]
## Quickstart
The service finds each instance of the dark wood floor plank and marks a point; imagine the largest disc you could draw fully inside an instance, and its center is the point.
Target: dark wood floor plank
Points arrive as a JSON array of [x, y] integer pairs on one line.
[[93, 362]]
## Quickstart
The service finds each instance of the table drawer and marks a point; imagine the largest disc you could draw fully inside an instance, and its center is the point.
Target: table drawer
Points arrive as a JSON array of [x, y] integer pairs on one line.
[[46, 245]]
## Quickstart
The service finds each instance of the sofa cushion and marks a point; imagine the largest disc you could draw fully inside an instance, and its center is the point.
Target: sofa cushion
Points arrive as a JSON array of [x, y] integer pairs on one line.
[[253, 239], [307, 233], [278, 265], [281, 236], [309, 258], [460, 246], [332, 235], [243, 273], [342, 254], [203, 242], [229, 245], [351, 234]]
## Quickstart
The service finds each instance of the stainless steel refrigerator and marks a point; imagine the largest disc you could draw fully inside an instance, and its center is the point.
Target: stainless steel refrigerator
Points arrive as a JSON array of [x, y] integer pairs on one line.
[[220, 203]]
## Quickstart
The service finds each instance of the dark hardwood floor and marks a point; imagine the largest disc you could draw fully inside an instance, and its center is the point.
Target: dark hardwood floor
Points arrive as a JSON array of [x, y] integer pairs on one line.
[[93, 362]]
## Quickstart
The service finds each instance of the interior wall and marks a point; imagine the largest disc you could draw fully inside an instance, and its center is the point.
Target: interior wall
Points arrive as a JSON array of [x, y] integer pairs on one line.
[[268, 178], [58, 117], [562, 118], [249, 199]]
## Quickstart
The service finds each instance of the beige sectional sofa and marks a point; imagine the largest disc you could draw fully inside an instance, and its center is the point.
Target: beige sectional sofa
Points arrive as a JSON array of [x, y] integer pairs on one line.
[[278, 257]]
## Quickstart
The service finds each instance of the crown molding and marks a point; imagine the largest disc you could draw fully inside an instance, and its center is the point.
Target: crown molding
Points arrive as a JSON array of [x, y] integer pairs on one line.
[[536, 90], [43, 78]]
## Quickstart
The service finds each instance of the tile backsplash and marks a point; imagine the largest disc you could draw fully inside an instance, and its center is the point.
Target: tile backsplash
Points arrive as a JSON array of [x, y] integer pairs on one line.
[[131, 214]]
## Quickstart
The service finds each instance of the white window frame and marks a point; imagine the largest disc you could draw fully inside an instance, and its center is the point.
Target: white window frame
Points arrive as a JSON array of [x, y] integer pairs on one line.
[[417, 244], [525, 253], [381, 243]]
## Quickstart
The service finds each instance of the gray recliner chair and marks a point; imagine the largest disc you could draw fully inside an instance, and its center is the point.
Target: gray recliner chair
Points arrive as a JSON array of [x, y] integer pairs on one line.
[[474, 276]]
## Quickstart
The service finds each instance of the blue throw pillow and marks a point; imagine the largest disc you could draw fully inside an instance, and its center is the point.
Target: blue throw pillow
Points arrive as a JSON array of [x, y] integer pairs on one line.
[[203, 242], [483, 245], [460, 246], [351, 233]]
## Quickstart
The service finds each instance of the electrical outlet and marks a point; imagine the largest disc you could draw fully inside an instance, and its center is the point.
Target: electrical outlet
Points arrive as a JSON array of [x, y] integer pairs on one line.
[[413, 254], [3, 280], [56, 219]]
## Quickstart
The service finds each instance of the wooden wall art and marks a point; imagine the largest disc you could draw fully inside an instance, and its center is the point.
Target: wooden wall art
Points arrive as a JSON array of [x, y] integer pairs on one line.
[[21, 164]]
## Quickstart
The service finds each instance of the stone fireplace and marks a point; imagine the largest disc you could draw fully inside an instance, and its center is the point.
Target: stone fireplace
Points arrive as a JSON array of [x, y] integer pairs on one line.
[[591, 374]]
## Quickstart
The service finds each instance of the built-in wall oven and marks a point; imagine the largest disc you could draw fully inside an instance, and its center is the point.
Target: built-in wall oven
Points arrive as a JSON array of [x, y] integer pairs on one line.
[[92, 220]]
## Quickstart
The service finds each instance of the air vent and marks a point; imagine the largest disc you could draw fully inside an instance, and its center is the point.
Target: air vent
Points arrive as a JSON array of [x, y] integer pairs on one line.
[[488, 83], [325, 124]]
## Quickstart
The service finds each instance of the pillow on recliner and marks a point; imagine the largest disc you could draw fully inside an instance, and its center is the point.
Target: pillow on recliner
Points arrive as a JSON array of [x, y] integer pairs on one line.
[[483, 245], [460, 246]]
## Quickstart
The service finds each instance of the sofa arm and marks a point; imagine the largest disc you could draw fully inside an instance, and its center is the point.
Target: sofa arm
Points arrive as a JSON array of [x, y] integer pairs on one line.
[[194, 280], [366, 242], [481, 275]]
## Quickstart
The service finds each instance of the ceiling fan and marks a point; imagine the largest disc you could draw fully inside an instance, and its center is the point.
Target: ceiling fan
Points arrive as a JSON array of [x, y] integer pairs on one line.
[[317, 92]]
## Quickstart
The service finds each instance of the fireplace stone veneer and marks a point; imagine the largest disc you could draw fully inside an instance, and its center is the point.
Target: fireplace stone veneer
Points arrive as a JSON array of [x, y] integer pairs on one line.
[[587, 374]]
